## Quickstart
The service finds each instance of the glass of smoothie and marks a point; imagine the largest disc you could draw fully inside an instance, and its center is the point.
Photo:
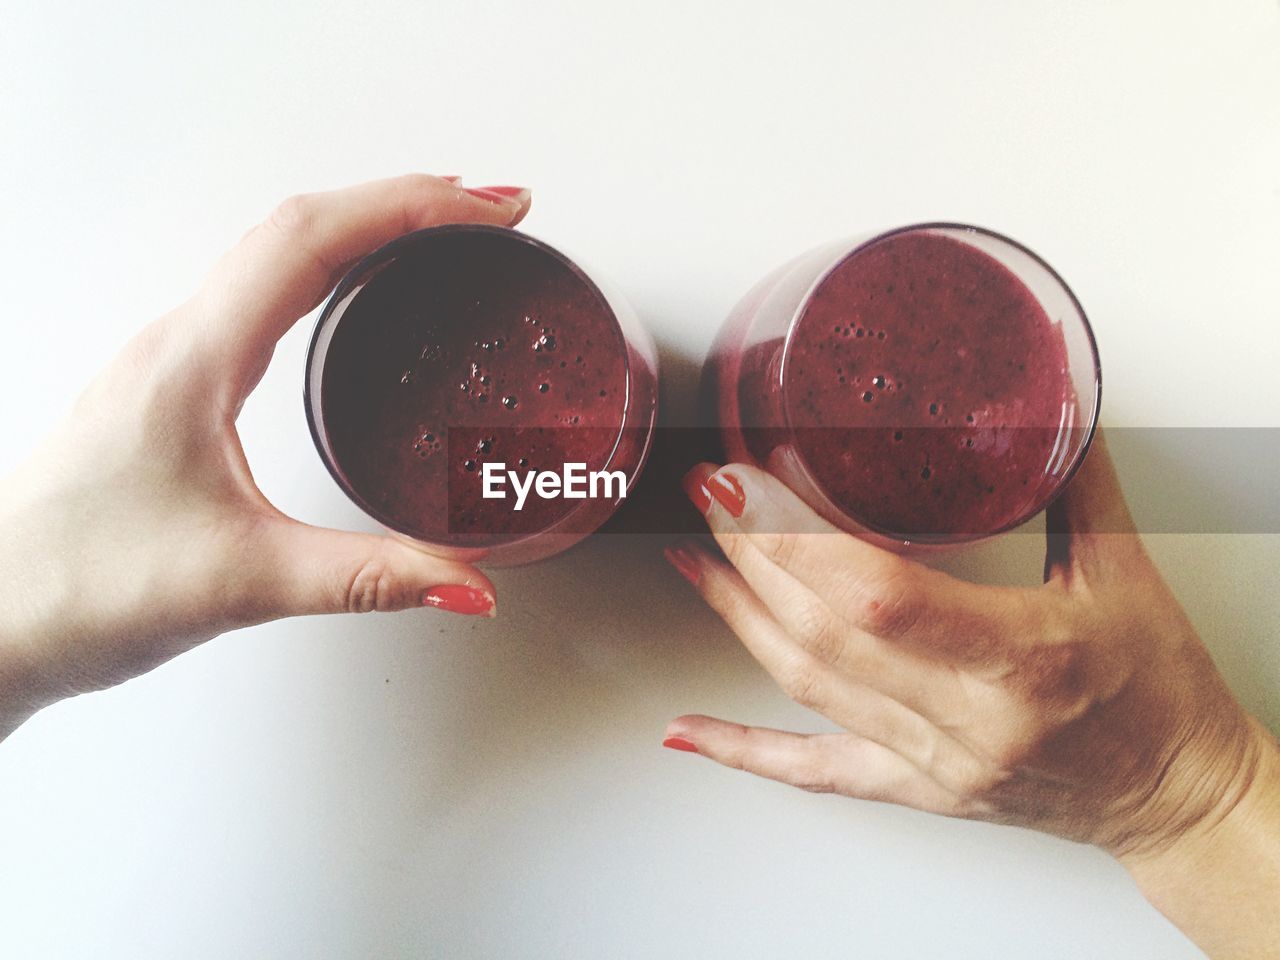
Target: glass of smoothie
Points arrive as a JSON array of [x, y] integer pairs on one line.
[[932, 384], [460, 361]]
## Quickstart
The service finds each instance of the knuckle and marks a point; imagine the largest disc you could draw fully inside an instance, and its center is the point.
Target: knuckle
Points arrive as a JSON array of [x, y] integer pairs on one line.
[[422, 181], [810, 771], [818, 632], [733, 757], [887, 603], [779, 547], [812, 780], [737, 754], [735, 547], [802, 685], [921, 743], [295, 216], [370, 589]]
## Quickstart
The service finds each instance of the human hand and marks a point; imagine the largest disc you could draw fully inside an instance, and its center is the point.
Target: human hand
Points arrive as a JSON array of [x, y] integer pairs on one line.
[[1087, 708], [136, 530]]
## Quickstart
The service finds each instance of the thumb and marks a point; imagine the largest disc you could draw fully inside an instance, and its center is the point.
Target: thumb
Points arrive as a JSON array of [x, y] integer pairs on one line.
[[1089, 525], [332, 571], [284, 268]]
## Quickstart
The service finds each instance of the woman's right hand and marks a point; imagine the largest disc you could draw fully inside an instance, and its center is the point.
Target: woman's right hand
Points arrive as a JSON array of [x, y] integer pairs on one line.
[[1087, 708], [136, 531]]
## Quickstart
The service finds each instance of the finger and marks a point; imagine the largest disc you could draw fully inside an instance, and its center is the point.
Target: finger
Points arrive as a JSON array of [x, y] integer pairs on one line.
[[310, 570], [854, 705], [821, 763], [801, 677], [1089, 526], [919, 682], [284, 267], [764, 529]]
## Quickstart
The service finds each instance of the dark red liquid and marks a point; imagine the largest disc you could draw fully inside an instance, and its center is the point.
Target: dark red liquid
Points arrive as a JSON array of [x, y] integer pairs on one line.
[[925, 390], [472, 347]]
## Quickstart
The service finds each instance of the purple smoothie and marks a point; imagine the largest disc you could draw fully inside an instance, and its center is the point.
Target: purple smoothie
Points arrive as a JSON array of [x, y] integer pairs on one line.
[[923, 390], [477, 345]]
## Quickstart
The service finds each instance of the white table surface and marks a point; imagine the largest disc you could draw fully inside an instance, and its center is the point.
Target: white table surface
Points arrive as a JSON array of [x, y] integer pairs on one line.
[[420, 785]]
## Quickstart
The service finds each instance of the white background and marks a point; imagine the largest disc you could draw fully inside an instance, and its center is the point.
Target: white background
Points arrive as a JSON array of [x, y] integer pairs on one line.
[[420, 785]]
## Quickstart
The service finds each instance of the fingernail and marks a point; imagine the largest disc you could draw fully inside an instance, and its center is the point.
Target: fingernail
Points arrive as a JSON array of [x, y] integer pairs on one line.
[[686, 563], [452, 178], [515, 193], [695, 488], [679, 743], [459, 598], [726, 489], [492, 196]]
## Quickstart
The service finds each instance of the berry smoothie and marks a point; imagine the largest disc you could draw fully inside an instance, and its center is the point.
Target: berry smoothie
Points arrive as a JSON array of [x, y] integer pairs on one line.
[[922, 391], [472, 345]]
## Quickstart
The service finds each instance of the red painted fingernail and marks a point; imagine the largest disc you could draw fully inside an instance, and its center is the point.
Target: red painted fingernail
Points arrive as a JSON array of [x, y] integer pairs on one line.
[[695, 488], [459, 598], [679, 743], [492, 196], [726, 489], [685, 561]]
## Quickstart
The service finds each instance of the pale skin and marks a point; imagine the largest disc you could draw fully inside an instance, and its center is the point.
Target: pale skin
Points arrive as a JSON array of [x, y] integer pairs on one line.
[[1087, 708], [136, 531]]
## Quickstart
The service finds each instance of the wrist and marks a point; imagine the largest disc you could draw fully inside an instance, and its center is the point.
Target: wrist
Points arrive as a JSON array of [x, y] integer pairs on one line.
[[33, 590], [1229, 782], [23, 686], [1219, 880]]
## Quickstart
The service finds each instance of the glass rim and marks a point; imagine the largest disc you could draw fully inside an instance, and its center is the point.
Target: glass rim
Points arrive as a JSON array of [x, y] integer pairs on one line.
[[359, 274], [1090, 431]]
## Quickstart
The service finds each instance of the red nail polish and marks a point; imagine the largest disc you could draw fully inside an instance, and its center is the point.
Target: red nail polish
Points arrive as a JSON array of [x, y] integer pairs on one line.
[[685, 562], [490, 195], [695, 487], [679, 743], [726, 489], [459, 598]]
